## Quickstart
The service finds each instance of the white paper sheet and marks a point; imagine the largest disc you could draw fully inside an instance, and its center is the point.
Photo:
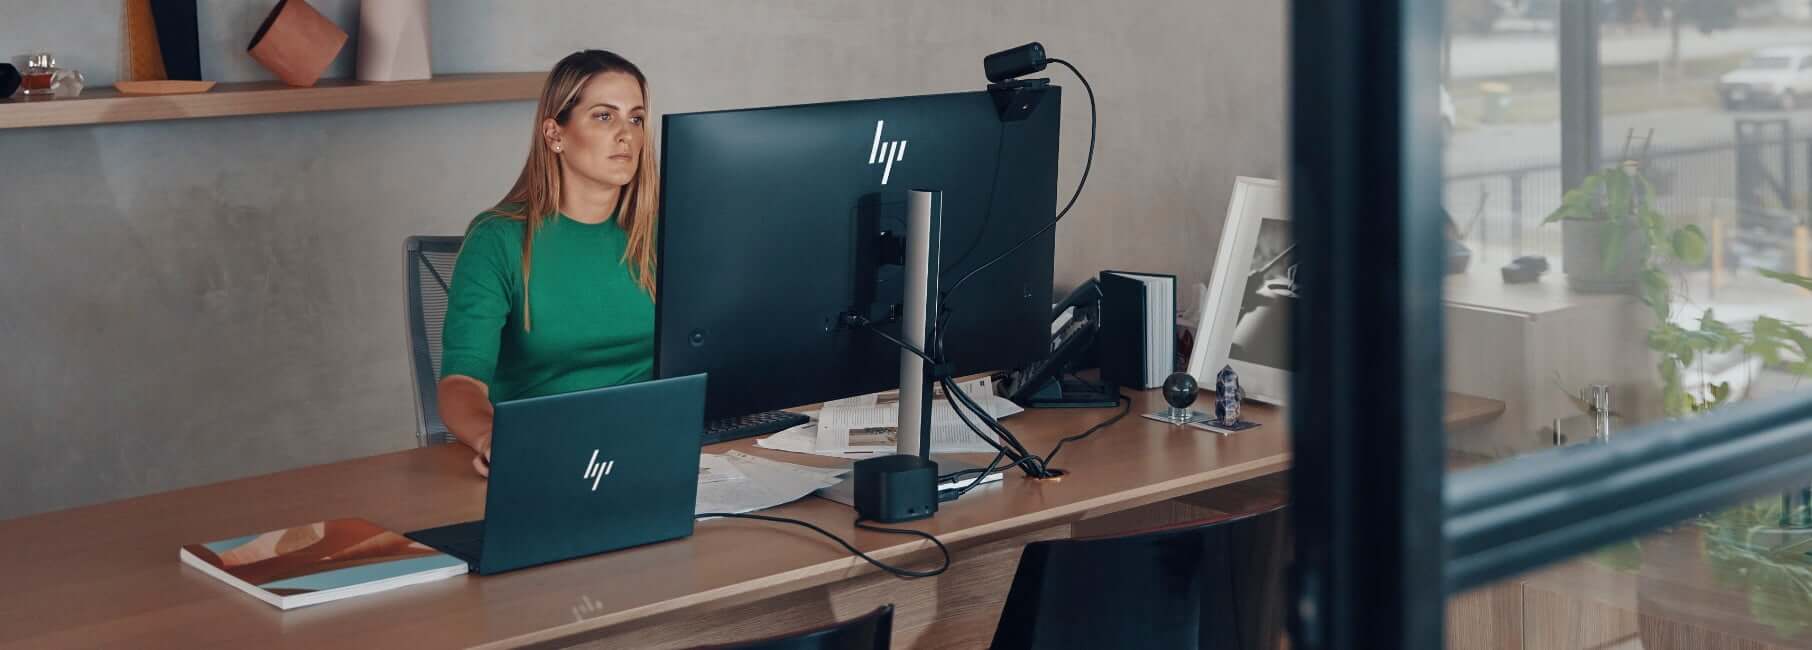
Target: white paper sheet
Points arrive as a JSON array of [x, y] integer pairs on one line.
[[713, 468], [874, 428], [803, 439], [760, 483]]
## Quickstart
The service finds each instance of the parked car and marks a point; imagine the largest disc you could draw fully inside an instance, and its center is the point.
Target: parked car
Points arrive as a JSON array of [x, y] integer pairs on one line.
[[1776, 76]]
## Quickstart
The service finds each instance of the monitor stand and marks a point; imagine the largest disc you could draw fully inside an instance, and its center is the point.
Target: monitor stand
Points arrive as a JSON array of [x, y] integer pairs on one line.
[[924, 234]]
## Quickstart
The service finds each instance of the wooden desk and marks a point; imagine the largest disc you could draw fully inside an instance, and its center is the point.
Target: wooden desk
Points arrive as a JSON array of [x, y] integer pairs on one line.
[[108, 575]]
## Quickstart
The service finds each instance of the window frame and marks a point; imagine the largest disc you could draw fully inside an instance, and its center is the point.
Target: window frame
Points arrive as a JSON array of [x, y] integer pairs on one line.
[[1383, 534]]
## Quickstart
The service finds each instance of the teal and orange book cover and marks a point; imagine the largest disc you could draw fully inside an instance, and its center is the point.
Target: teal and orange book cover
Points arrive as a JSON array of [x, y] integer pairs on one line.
[[320, 562]]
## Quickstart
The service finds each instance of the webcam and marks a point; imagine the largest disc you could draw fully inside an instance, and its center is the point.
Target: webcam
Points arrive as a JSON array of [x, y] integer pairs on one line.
[[1016, 62]]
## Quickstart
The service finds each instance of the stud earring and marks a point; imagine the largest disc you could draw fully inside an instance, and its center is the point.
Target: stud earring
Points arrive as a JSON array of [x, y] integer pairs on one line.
[[557, 149]]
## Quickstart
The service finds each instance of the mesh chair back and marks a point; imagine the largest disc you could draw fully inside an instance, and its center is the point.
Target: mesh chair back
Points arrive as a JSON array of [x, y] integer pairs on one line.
[[428, 274], [1196, 585], [871, 631]]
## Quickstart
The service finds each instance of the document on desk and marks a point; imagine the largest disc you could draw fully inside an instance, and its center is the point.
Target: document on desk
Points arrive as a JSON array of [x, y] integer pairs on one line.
[[803, 439], [871, 423], [737, 482]]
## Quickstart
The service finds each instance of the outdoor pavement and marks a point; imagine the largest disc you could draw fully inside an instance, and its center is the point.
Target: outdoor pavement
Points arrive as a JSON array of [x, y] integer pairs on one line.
[[1492, 147], [1499, 53]]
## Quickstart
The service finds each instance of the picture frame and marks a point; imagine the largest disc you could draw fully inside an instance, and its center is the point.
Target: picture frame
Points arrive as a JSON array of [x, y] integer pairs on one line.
[[1251, 292]]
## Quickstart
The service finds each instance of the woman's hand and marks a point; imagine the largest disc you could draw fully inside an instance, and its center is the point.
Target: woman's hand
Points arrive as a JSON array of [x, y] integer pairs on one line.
[[481, 461], [465, 407]]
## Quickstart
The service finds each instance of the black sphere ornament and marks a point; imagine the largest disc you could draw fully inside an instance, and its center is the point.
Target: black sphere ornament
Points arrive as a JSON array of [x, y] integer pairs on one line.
[[9, 80], [1180, 389]]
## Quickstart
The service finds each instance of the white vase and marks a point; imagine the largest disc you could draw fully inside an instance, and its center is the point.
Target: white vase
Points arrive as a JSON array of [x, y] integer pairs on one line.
[[393, 40]]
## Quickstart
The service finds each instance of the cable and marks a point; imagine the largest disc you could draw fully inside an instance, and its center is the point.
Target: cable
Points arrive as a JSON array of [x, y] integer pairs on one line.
[[1000, 146], [1091, 430], [1087, 164], [901, 572], [1000, 431], [1021, 454], [1018, 452], [903, 345]]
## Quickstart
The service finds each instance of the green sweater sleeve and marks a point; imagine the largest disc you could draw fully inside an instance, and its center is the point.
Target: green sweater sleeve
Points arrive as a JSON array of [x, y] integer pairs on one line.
[[479, 304]]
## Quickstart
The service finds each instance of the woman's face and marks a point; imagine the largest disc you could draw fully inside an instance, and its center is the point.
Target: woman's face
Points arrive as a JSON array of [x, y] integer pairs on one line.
[[601, 140]]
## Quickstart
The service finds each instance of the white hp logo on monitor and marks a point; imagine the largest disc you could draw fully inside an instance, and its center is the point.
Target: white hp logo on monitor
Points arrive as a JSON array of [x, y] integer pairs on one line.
[[596, 471], [885, 153]]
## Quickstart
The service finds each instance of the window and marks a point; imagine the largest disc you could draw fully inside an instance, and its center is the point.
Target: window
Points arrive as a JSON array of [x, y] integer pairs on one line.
[[1643, 474]]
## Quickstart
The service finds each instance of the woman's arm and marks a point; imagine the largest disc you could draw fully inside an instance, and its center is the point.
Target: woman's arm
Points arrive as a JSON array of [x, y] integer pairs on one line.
[[478, 307], [465, 407]]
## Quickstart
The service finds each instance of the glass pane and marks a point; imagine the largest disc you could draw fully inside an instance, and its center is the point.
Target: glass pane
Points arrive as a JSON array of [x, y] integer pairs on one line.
[[1675, 284], [1735, 579], [1674, 278]]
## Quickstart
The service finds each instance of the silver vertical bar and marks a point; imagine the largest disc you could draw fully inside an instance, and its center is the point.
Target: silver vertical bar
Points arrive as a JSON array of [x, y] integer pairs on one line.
[[924, 230]]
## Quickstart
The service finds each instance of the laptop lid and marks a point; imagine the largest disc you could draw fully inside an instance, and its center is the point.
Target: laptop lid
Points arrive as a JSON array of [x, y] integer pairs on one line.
[[592, 471]]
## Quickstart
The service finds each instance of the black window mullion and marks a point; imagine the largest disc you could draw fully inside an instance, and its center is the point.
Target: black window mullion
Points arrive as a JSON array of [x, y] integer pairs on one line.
[[1545, 507], [1364, 188]]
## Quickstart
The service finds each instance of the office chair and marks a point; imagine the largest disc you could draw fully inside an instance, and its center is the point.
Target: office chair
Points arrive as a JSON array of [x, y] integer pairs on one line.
[[1203, 584], [428, 274], [871, 631]]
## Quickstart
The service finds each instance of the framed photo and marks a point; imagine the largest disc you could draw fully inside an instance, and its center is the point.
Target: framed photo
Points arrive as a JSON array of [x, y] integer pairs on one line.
[[1245, 316]]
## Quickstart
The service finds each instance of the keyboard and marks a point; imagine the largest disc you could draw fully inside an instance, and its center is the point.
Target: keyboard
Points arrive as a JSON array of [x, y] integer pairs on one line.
[[464, 541], [756, 424]]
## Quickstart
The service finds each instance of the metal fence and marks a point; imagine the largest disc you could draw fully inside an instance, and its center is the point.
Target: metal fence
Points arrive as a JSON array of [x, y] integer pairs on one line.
[[1503, 209]]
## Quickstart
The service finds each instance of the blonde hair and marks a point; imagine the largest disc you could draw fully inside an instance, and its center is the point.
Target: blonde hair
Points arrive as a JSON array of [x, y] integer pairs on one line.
[[535, 199]]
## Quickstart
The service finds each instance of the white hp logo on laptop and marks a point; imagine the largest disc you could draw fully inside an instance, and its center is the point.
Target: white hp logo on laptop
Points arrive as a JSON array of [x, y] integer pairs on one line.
[[596, 471], [885, 153]]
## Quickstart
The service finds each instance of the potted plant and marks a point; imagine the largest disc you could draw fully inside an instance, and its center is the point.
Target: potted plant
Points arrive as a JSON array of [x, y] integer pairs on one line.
[[1620, 236], [1609, 228]]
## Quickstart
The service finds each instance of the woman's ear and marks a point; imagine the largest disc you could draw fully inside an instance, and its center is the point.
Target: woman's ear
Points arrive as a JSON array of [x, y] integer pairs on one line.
[[550, 133]]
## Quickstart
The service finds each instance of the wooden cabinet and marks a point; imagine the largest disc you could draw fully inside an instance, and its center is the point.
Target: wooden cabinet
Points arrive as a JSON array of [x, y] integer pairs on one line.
[[1531, 346]]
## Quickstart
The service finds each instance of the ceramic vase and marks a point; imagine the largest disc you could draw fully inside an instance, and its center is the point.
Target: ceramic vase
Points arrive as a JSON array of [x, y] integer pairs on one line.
[[297, 43], [393, 40]]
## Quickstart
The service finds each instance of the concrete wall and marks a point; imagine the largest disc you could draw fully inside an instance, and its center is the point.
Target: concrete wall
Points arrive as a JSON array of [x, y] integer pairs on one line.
[[188, 302]]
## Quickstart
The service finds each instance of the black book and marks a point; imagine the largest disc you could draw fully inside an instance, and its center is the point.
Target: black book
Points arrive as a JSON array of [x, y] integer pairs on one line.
[[1138, 328]]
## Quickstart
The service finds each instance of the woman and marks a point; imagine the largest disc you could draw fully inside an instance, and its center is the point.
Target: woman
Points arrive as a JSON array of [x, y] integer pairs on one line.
[[553, 291]]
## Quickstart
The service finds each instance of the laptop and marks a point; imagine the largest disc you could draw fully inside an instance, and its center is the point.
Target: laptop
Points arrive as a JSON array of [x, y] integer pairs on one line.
[[584, 473]]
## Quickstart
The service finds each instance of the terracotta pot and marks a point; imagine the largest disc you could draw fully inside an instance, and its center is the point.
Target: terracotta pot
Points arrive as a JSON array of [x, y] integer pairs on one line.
[[296, 43], [393, 40]]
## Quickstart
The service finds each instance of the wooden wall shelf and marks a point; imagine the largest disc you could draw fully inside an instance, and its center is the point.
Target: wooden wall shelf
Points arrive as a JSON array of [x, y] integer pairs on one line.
[[108, 106]]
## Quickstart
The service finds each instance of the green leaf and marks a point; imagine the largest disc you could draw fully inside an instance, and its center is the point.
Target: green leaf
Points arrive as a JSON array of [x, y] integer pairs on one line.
[[1677, 403], [1652, 225], [1720, 392], [1625, 556], [1613, 234], [1772, 337], [1579, 203], [1655, 292], [1689, 245], [1728, 337], [1575, 204], [1565, 213], [1665, 338], [1800, 281], [1592, 184], [1617, 193]]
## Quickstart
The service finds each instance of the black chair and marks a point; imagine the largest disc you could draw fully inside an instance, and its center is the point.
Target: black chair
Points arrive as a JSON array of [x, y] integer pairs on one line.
[[1207, 584], [871, 631], [428, 274]]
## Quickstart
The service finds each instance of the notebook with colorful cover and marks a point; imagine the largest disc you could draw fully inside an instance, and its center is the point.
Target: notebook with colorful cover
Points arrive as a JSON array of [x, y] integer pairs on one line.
[[320, 562]]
